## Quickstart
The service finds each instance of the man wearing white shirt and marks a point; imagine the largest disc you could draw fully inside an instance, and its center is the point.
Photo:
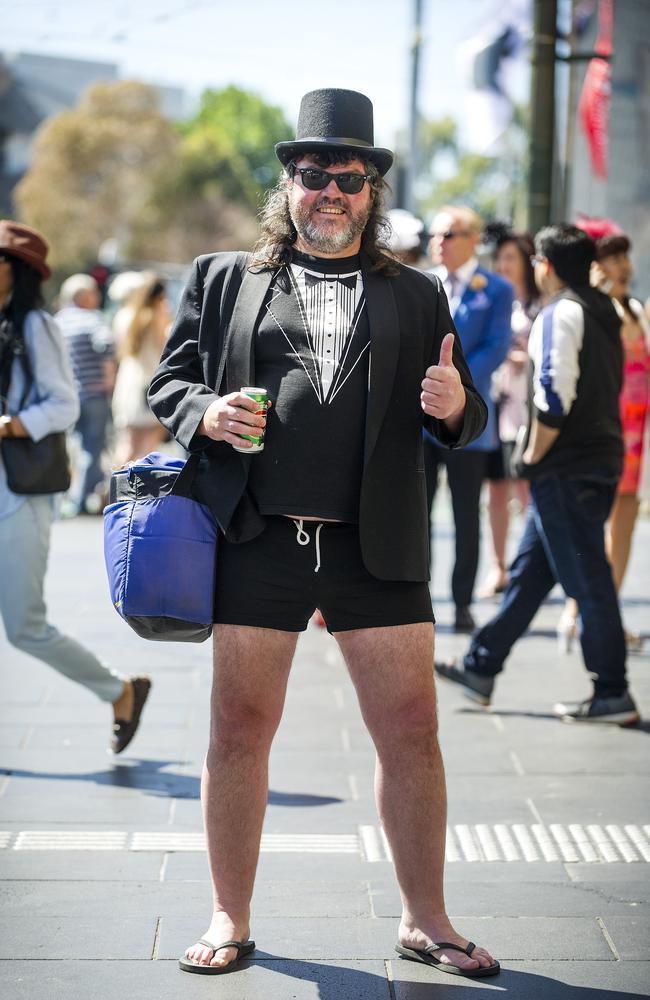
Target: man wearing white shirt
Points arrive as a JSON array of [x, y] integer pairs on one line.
[[481, 304]]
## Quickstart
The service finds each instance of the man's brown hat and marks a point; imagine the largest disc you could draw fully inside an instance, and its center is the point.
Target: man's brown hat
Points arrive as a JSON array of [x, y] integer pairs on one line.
[[24, 243]]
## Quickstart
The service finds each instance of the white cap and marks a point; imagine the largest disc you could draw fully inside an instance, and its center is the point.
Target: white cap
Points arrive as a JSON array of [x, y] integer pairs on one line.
[[406, 230], [73, 285], [124, 284]]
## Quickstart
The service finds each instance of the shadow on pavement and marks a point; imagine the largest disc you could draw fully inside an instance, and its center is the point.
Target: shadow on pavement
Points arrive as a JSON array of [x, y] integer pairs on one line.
[[639, 727], [147, 776], [343, 983]]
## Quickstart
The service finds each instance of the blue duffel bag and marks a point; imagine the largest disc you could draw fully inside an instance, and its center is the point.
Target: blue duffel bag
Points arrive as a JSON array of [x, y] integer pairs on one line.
[[160, 550]]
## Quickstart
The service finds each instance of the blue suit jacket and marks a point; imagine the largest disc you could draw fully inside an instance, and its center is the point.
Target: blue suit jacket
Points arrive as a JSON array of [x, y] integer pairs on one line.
[[482, 320]]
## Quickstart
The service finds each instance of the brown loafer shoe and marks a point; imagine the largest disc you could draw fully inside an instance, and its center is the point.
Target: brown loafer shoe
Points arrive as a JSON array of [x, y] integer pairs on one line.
[[125, 729]]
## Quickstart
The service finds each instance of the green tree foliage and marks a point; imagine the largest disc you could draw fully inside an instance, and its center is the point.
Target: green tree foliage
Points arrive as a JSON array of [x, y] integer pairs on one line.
[[240, 126], [494, 186], [115, 167], [92, 170]]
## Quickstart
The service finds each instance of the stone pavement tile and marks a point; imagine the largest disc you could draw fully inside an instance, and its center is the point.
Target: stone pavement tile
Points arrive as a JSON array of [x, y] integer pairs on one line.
[[114, 900], [164, 740], [480, 758], [275, 866], [79, 936], [467, 873], [502, 799], [13, 737], [630, 935], [573, 980], [82, 807], [521, 898], [620, 758], [613, 872], [287, 814], [87, 866], [258, 979], [311, 899], [577, 799]]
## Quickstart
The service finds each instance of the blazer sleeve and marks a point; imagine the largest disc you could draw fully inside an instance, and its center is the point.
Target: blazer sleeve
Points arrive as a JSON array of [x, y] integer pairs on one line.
[[178, 395], [475, 409], [494, 344]]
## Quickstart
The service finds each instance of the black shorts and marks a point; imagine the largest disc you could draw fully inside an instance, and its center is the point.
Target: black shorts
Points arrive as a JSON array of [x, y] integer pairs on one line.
[[273, 581], [499, 462]]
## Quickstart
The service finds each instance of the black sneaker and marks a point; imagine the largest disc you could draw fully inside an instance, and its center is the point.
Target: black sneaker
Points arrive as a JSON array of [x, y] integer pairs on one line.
[[475, 686], [621, 710]]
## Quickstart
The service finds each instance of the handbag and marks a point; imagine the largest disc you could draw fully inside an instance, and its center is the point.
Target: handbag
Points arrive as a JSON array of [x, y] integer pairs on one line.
[[34, 467], [160, 545], [160, 550]]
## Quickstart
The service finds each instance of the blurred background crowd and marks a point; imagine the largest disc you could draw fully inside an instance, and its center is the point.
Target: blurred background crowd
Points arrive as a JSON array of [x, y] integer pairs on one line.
[[129, 175]]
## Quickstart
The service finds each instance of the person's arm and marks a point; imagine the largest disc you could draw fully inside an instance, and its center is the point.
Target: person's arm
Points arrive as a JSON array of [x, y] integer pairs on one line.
[[454, 411], [541, 440], [496, 337], [56, 407], [555, 345], [12, 427], [189, 409]]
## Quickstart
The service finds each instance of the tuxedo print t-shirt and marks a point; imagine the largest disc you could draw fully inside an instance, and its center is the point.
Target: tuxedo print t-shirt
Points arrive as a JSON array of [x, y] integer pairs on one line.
[[312, 350]]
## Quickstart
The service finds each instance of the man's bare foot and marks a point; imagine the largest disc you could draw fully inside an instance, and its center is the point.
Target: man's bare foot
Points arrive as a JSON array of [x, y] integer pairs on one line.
[[435, 929], [222, 928]]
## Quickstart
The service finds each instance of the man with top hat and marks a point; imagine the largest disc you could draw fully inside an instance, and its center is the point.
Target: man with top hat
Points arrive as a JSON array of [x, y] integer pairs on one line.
[[356, 352]]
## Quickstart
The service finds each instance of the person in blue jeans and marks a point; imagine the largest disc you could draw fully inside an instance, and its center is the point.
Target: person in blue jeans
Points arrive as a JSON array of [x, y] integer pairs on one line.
[[573, 458]]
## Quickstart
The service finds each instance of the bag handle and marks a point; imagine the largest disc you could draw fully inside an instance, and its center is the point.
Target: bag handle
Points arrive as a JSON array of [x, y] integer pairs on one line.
[[185, 477]]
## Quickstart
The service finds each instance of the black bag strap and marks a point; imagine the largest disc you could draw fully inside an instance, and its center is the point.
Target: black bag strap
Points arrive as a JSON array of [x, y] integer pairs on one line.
[[183, 484], [241, 266]]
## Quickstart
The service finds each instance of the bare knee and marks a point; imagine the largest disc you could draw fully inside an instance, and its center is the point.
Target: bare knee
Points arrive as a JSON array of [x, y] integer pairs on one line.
[[240, 722], [411, 724]]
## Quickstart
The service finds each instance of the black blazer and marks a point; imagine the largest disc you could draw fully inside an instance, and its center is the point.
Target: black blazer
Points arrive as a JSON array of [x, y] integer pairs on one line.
[[408, 316]]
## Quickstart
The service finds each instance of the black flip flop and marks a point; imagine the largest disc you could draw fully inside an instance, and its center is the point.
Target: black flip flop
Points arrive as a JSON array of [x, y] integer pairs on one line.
[[426, 956], [243, 948]]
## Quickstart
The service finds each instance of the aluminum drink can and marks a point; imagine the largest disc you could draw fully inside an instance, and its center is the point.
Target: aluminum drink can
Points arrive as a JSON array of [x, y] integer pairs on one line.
[[257, 438]]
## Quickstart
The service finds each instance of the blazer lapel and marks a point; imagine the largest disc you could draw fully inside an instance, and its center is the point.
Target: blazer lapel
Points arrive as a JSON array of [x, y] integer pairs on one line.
[[384, 350], [239, 345]]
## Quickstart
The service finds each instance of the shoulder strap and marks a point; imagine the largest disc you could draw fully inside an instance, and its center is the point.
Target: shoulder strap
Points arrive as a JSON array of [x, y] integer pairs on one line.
[[241, 266], [185, 477]]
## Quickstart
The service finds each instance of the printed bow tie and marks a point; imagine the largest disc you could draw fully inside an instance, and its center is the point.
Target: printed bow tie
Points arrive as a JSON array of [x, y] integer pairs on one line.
[[350, 280]]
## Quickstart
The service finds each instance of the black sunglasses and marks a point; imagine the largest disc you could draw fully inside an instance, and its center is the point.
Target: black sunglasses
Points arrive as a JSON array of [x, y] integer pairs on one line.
[[315, 179], [450, 235]]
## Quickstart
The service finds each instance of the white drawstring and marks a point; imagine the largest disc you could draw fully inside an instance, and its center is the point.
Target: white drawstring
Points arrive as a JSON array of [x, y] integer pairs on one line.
[[303, 538]]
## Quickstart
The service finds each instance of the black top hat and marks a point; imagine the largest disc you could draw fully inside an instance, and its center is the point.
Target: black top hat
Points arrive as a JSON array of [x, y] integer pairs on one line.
[[335, 119]]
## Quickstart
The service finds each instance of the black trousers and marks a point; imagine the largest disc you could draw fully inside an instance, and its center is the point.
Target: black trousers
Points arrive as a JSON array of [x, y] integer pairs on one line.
[[466, 471]]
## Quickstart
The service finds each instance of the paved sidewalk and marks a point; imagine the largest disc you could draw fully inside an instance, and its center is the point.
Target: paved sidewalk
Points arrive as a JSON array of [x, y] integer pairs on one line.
[[104, 878]]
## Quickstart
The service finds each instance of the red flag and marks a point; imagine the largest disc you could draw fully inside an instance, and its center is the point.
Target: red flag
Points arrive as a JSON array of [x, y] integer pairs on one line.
[[596, 92]]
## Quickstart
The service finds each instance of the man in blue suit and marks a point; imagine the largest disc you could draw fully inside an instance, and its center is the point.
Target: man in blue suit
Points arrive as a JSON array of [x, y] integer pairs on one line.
[[481, 305]]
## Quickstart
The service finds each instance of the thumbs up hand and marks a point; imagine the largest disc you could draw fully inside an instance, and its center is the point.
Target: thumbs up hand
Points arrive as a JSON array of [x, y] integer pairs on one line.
[[443, 395]]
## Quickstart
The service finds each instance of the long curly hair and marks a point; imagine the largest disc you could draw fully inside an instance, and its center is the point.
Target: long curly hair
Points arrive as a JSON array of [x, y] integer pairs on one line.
[[278, 233]]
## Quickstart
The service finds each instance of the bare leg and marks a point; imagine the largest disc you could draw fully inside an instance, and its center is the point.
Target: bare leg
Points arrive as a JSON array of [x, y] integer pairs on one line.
[[391, 669], [522, 492], [251, 669], [618, 535], [498, 511]]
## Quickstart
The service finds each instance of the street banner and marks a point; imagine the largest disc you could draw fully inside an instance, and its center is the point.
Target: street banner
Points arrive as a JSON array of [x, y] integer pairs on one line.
[[595, 98]]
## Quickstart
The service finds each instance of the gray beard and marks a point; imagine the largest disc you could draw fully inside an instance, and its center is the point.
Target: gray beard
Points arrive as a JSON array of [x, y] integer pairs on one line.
[[322, 241]]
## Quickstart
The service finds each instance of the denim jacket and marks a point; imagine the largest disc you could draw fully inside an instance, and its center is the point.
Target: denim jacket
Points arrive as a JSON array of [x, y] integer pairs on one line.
[[52, 403]]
